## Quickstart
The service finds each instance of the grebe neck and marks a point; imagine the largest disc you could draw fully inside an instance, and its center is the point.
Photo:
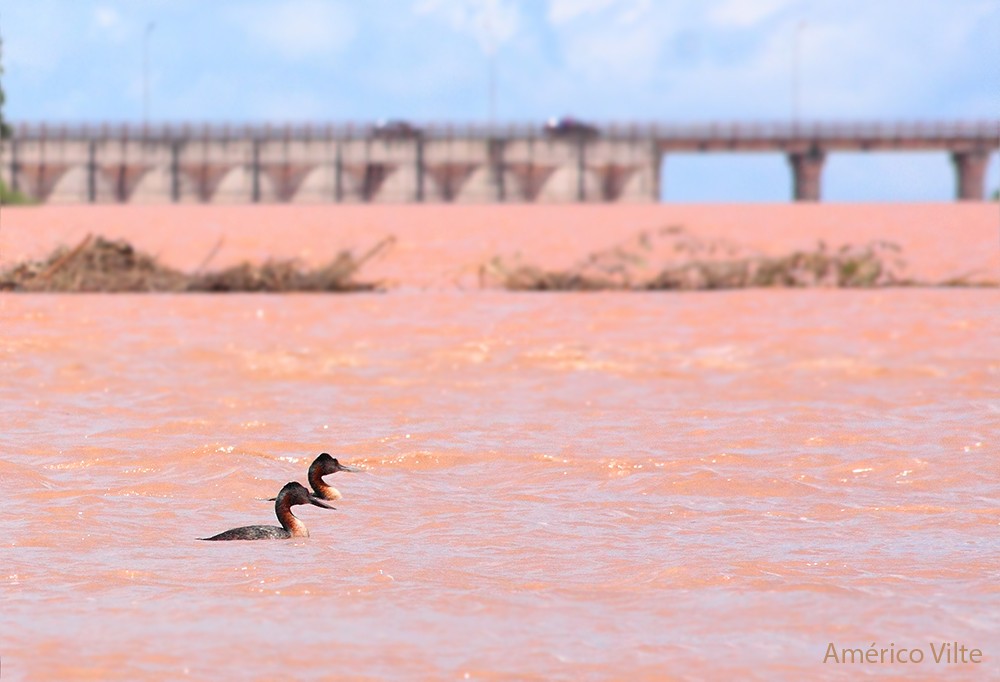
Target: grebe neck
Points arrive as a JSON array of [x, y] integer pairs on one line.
[[323, 490], [289, 521]]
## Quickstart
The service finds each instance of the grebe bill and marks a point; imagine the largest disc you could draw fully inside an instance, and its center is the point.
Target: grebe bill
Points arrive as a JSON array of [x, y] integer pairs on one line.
[[291, 526]]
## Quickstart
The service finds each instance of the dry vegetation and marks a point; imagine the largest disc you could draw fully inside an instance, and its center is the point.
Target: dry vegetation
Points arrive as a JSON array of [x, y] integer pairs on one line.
[[667, 259], [684, 262], [103, 265]]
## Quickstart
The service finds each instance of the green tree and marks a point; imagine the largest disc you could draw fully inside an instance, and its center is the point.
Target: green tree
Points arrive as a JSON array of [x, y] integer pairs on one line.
[[6, 196], [4, 128]]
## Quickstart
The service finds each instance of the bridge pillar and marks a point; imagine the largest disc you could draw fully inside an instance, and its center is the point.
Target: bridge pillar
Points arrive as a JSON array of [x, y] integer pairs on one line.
[[338, 174], [420, 168], [92, 171], [970, 170], [807, 167], [175, 171], [657, 184], [255, 171], [495, 151]]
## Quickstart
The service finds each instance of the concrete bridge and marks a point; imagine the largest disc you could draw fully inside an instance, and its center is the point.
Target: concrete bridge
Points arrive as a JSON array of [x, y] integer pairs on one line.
[[397, 162]]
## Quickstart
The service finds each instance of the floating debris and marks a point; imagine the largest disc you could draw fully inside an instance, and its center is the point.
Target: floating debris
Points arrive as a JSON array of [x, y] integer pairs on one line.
[[687, 263], [105, 265], [873, 265]]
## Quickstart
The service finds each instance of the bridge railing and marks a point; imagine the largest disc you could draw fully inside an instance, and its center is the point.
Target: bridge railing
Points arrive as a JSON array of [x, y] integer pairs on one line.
[[764, 131]]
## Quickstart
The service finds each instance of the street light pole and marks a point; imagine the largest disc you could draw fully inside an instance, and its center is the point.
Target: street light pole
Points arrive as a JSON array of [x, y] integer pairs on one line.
[[491, 56], [796, 49], [145, 72], [493, 89]]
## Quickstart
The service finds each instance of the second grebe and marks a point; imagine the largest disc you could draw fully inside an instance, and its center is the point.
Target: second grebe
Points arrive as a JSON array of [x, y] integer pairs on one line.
[[291, 526], [324, 465]]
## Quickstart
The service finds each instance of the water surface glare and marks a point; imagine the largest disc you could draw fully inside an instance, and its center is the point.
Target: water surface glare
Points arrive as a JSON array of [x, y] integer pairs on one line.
[[553, 486]]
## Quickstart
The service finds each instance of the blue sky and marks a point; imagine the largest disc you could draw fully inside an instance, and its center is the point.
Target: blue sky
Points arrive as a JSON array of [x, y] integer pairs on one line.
[[602, 60]]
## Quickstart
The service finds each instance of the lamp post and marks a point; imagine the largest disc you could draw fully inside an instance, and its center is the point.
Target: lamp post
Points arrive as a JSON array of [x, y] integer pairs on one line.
[[493, 88], [796, 49], [491, 57], [145, 72]]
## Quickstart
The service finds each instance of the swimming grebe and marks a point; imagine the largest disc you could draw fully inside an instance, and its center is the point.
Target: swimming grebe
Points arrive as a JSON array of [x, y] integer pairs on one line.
[[291, 526], [323, 466]]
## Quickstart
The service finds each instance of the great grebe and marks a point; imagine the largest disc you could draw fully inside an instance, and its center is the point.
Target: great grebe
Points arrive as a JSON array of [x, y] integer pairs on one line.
[[291, 526], [324, 465]]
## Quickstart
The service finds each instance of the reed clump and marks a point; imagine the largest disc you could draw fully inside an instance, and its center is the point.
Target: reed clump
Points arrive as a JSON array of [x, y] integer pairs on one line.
[[673, 259], [115, 266], [867, 266]]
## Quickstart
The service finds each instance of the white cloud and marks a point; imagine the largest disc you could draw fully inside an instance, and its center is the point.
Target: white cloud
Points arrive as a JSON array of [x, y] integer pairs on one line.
[[608, 44], [106, 17], [668, 59], [107, 24], [36, 37], [733, 59], [627, 11], [563, 11], [297, 29], [746, 13], [601, 54], [491, 22], [638, 9]]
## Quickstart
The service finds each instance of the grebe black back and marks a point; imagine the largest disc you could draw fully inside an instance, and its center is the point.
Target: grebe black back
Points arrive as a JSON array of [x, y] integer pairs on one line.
[[291, 526]]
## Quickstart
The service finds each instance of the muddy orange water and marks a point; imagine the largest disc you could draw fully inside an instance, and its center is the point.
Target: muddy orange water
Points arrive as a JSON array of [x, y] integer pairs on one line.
[[706, 486]]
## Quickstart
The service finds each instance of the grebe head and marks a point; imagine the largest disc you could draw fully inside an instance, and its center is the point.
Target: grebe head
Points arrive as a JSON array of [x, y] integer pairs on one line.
[[321, 466], [295, 493], [325, 464]]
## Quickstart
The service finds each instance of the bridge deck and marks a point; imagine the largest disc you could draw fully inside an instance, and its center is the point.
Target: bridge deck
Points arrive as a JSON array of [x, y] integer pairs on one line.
[[753, 136], [401, 162]]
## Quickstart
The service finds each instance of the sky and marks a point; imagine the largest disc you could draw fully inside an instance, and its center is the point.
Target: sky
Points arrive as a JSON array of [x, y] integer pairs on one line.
[[596, 60]]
